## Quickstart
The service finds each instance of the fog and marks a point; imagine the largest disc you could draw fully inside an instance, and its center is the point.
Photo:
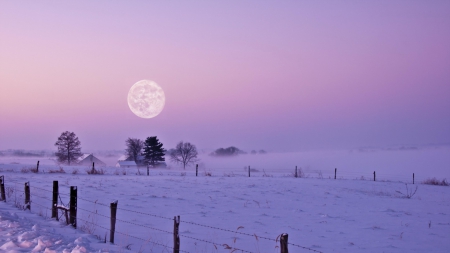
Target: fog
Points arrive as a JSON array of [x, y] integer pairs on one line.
[[390, 164]]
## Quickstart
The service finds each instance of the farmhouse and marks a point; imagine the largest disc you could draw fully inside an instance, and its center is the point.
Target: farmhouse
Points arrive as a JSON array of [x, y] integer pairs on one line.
[[88, 159], [128, 162]]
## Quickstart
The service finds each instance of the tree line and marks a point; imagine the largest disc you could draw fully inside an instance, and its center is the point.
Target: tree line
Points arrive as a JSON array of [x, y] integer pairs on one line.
[[149, 152]]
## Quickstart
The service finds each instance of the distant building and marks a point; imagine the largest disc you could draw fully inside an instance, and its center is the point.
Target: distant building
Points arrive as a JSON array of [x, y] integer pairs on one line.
[[126, 164], [88, 159], [122, 158]]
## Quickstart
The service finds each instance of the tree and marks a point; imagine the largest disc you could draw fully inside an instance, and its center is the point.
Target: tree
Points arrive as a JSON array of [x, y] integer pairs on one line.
[[69, 148], [184, 153], [153, 151], [230, 151], [134, 147]]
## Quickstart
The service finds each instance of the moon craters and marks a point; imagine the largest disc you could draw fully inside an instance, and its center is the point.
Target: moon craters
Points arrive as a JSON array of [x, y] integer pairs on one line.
[[146, 99]]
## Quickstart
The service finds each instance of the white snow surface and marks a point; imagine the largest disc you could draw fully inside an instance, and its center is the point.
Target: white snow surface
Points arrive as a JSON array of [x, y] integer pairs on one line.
[[224, 211], [22, 231]]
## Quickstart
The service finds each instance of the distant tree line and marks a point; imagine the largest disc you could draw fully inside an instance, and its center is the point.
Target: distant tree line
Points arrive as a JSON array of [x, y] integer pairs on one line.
[[149, 152], [23, 153], [230, 151], [261, 151], [233, 151], [153, 154]]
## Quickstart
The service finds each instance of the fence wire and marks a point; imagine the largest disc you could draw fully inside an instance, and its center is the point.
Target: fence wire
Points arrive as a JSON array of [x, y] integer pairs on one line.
[[340, 174], [127, 234]]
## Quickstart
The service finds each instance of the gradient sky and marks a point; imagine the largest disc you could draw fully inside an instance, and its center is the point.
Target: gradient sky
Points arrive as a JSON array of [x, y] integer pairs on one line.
[[277, 75]]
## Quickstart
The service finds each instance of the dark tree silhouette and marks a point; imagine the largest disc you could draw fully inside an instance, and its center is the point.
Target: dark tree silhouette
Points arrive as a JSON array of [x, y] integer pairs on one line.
[[184, 153], [230, 151], [153, 151], [134, 147], [69, 147]]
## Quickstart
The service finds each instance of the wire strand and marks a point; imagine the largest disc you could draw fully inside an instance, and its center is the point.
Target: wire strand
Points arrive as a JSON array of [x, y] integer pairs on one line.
[[149, 214], [130, 235]]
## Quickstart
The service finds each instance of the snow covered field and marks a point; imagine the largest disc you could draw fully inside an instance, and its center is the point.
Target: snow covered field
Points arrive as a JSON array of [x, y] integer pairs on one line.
[[26, 232], [350, 214]]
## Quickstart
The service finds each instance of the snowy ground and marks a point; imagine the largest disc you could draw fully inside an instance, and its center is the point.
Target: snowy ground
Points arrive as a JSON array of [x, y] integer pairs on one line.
[[22, 231], [326, 215]]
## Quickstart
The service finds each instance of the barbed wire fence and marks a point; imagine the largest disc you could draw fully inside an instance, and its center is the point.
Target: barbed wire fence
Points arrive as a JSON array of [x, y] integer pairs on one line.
[[92, 216]]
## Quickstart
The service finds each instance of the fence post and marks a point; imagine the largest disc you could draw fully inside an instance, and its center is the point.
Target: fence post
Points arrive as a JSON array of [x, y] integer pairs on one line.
[[37, 167], [284, 243], [413, 178], [335, 171], [27, 196], [295, 171], [93, 168], [113, 207], [73, 206], [148, 171], [374, 176], [55, 200], [196, 170], [249, 171], [176, 235], [2, 188]]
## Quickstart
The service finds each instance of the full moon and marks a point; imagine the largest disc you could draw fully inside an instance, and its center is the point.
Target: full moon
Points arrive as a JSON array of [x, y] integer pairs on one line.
[[146, 99]]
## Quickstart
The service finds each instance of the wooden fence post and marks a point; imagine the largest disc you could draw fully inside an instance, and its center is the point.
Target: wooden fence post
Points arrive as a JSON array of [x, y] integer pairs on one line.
[[284, 243], [55, 200], [148, 171], [374, 176], [413, 178], [296, 171], [73, 206], [93, 168], [27, 196], [196, 170], [335, 171], [113, 207], [2, 188], [248, 171], [176, 234], [37, 167]]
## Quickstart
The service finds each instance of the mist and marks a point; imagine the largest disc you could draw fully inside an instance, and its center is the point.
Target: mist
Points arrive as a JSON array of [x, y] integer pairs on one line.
[[392, 164]]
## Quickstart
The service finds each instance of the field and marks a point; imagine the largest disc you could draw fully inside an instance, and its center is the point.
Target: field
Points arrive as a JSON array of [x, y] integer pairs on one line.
[[228, 211]]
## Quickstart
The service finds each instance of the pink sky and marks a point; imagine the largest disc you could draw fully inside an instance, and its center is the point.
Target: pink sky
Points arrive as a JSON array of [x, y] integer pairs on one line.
[[254, 74]]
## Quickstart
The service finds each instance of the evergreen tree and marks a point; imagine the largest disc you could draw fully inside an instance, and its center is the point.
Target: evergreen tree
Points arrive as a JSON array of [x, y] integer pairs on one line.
[[153, 151]]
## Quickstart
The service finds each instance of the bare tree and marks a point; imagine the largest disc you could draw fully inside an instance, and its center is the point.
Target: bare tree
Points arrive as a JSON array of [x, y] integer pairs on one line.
[[69, 147], [134, 147], [184, 153]]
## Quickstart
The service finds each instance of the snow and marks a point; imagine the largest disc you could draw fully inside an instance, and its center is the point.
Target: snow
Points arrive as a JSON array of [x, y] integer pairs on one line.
[[22, 231], [226, 210]]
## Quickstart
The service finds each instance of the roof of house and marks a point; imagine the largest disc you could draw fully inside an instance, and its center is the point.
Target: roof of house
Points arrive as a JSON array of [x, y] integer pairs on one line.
[[123, 158], [139, 159], [84, 156], [89, 158], [126, 163]]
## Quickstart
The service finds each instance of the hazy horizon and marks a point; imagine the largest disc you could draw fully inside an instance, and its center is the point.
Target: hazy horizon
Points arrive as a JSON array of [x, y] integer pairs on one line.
[[278, 76]]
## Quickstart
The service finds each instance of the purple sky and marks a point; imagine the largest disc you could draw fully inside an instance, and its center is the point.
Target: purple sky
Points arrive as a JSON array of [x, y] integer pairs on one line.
[[275, 75]]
